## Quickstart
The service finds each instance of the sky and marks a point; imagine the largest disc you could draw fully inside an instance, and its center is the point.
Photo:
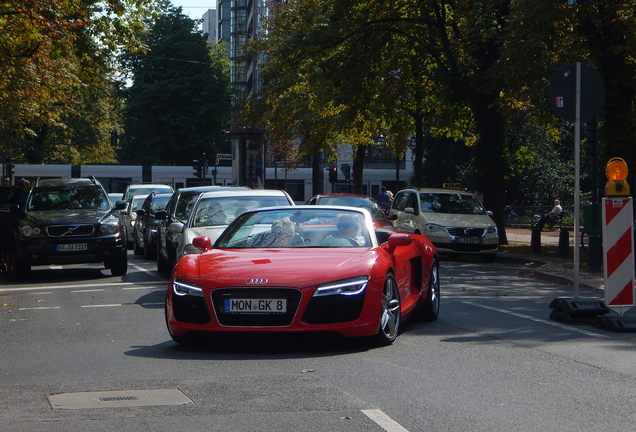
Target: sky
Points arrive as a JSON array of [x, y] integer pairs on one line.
[[195, 8]]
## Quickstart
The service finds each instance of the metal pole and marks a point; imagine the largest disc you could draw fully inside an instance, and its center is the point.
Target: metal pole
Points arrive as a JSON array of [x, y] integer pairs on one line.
[[577, 177]]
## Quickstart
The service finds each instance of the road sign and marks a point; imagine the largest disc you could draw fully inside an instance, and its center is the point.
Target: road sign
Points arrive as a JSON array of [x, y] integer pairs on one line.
[[562, 93], [224, 156], [618, 253]]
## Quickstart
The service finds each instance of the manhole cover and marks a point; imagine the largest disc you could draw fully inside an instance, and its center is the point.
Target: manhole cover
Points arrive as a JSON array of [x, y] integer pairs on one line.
[[118, 399]]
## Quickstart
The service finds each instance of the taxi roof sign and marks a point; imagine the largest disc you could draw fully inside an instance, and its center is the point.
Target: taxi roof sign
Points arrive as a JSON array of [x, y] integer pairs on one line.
[[457, 186]]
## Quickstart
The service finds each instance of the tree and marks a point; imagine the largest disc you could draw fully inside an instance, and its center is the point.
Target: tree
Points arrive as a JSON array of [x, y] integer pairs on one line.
[[55, 60], [178, 103]]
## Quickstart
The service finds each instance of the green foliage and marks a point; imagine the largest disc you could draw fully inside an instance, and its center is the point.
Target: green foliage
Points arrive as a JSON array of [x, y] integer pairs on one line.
[[178, 103]]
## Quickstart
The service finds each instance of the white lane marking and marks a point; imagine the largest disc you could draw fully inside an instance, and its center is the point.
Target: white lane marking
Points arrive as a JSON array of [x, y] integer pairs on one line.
[[102, 305], [384, 421], [88, 290], [539, 320], [106, 284], [43, 292], [39, 308], [145, 270]]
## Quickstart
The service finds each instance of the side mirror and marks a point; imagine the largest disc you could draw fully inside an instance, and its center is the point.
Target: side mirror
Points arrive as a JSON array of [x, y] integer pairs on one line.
[[399, 239], [203, 243], [392, 216], [175, 228], [120, 205], [141, 212]]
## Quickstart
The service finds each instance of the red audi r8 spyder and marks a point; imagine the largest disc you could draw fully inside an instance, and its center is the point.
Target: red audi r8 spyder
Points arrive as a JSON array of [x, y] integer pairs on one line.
[[304, 269]]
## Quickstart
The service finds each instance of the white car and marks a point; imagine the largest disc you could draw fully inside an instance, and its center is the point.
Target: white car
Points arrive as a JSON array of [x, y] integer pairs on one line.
[[454, 220], [213, 212]]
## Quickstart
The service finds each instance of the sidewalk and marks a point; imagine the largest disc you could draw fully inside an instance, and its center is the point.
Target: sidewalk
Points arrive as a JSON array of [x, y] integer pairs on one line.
[[548, 265]]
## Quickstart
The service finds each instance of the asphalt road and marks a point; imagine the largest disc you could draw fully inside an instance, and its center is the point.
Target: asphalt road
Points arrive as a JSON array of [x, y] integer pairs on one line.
[[492, 362]]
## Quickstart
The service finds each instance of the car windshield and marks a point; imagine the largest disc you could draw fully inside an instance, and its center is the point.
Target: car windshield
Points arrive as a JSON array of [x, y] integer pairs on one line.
[[295, 228], [146, 191], [223, 210], [454, 203], [159, 203], [68, 198], [137, 202], [361, 202], [185, 203]]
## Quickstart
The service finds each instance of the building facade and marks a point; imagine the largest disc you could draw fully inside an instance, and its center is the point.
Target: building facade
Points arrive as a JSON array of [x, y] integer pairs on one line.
[[209, 25]]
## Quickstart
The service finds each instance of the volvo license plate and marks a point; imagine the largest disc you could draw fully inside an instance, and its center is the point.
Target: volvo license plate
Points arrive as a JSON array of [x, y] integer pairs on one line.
[[242, 305], [71, 247]]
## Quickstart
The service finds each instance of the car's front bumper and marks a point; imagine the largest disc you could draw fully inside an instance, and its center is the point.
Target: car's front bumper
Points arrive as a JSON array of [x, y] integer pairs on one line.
[[40, 251]]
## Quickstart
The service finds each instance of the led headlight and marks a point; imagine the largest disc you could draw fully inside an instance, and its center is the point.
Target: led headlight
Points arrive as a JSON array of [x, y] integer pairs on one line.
[[351, 286], [436, 228], [183, 288]]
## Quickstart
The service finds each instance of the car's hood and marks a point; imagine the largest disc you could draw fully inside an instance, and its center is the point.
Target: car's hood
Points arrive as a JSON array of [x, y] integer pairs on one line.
[[459, 220], [284, 267], [67, 217]]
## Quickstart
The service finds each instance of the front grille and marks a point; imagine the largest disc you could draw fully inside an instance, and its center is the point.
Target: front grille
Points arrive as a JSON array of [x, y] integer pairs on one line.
[[466, 232], [70, 230], [256, 319], [334, 309]]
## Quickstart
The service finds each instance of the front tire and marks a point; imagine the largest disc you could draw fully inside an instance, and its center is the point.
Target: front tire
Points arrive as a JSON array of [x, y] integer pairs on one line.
[[430, 309], [389, 312], [119, 263]]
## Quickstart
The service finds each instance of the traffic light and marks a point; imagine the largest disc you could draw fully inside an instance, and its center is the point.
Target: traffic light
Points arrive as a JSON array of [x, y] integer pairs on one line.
[[346, 171], [8, 168], [333, 174], [197, 166]]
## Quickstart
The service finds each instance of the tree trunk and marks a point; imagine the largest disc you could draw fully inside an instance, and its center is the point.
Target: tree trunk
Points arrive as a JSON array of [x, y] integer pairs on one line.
[[358, 167], [490, 159]]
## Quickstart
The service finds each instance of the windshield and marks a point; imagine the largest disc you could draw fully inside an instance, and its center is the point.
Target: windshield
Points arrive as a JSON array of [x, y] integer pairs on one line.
[[361, 202], [69, 198], [159, 203], [295, 228], [454, 203], [146, 191], [223, 210]]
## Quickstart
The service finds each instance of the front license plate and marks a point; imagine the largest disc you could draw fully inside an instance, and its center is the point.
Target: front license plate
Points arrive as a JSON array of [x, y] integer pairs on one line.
[[71, 247], [470, 240], [254, 305]]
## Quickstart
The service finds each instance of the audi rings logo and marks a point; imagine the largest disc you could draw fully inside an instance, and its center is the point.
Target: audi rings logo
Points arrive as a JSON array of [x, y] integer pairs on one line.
[[256, 281]]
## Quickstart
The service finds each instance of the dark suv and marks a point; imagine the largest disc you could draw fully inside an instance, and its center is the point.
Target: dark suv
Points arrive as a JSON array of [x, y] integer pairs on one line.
[[69, 221]]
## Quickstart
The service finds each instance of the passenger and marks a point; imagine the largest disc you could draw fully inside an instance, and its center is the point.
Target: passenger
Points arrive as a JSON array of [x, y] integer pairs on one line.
[[281, 234], [348, 233]]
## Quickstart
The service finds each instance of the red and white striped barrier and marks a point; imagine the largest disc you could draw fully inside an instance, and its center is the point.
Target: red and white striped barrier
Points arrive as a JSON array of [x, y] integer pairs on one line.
[[618, 252]]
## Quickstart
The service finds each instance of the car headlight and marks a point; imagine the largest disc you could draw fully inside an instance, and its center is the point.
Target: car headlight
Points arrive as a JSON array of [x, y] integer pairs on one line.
[[351, 286], [183, 288], [191, 249], [109, 228], [491, 230], [436, 228], [31, 231]]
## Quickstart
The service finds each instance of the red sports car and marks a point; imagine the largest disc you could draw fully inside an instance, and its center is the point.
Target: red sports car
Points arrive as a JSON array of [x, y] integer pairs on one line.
[[304, 269]]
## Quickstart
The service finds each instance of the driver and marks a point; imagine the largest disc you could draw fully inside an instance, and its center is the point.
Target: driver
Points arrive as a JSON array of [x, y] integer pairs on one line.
[[211, 214], [348, 233], [281, 234]]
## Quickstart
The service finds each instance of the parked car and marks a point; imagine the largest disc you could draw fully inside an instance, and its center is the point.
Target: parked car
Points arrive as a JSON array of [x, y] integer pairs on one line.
[[354, 200], [128, 217], [69, 221], [145, 231], [214, 211], [145, 189], [454, 220], [303, 279], [178, 210]]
